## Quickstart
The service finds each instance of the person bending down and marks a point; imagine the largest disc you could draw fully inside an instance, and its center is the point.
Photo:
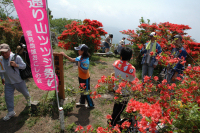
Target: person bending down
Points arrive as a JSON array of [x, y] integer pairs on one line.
[[108, 43]]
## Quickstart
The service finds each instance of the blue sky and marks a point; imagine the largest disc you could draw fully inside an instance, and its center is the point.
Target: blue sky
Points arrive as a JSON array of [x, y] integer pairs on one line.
[[125, 14]]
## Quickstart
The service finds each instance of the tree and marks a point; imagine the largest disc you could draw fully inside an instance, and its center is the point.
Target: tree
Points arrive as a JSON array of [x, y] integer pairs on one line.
[[58, 25], [10, 32], [7, 7], [2, 14], [89, 32]]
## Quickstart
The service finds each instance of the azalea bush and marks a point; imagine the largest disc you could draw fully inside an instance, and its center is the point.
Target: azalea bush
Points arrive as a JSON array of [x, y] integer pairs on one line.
[[155, 104], [174, 107], [10, 32], [89, 33], [165, 32]]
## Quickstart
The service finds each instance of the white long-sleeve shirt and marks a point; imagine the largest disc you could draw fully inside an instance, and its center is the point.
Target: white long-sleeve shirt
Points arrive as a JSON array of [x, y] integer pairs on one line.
[[10, 75], [124, 76]]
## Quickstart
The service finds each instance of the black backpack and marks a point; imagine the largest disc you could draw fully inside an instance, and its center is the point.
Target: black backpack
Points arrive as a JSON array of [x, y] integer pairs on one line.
[[24, 73]]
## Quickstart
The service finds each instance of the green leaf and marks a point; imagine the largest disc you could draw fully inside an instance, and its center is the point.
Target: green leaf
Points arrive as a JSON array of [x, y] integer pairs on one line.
[[148, 119]]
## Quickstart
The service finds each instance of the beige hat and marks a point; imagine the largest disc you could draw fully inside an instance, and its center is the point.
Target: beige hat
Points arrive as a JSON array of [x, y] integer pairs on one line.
[[4, 47]]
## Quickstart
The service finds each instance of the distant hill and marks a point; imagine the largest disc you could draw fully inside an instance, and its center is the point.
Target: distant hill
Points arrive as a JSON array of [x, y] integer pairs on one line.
[[117, 36]]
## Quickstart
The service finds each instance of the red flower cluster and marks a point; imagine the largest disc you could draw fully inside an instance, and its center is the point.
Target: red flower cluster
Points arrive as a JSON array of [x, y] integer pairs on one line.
[[174, 105], [89, 33], [82, 85], [160, 107], [10, 32], [165, 32]]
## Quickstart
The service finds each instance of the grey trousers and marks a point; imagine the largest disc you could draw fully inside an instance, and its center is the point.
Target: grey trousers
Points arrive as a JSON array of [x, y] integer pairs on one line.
[[9, 93], [147, 69]]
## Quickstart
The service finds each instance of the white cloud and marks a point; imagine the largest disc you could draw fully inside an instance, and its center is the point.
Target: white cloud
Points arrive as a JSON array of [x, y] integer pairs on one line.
[[66, 4], [126, 14]]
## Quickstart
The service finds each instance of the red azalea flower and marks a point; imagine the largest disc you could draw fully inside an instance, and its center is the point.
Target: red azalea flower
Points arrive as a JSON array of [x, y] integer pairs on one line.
[[79, 128], [155, 78], [94, 93], [99, 81], [122, 84], [164, 81], [116, 97], [151, 53], [183, 62], [146, 78], [178, 78], [82, 85], [109, 117], [99, 95], [125, 124], [97, 86], [89, 127]]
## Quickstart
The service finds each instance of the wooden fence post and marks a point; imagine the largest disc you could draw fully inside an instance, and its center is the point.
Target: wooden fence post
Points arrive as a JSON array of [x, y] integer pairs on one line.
[[58, 62]]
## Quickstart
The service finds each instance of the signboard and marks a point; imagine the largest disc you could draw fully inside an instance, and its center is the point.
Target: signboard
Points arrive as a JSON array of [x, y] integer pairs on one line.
[[34, 21]]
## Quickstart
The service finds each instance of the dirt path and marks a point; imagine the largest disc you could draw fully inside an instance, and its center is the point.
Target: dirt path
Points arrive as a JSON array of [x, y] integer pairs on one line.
[[23, 122], [96, 117]]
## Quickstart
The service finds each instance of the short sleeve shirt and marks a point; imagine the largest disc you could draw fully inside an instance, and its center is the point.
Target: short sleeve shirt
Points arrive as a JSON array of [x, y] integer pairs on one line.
[[84, 63], [107, 39]]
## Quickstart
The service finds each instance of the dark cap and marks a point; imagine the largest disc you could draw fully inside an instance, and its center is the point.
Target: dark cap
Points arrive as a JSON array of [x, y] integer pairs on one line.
[[111, 35], [81, 46], [4, 47]]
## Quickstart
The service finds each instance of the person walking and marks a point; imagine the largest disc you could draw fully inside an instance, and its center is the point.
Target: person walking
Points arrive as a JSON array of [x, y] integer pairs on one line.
[[11, 79]]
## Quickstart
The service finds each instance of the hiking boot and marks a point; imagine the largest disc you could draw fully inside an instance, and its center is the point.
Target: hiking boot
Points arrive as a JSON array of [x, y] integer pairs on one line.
[[89, 107], [79, 104], [9, 115], [86, 105]]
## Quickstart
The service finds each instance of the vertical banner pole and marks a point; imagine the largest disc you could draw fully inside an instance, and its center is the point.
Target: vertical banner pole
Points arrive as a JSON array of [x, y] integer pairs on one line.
[[52, 55], [61, 112]]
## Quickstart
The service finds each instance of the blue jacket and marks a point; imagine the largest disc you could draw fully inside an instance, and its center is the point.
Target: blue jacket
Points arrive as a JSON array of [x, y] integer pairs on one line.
[[179, 67], [153, 58]]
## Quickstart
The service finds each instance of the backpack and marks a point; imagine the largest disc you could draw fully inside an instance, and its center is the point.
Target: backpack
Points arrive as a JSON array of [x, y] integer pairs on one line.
[[24, 73]]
